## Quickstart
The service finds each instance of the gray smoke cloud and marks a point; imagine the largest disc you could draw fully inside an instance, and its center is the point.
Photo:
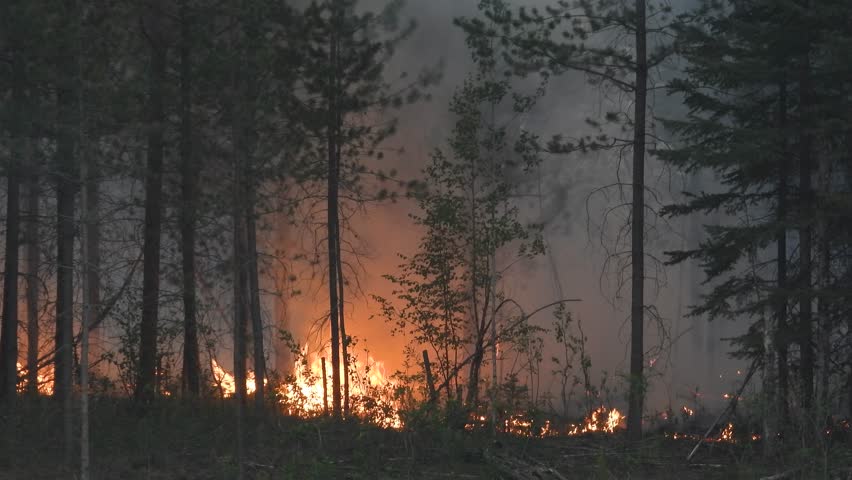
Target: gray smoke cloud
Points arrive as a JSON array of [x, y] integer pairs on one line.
[[577, 257]]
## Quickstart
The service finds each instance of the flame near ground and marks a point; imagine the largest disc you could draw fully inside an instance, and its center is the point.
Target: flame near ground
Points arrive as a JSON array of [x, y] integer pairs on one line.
[[370, 389]]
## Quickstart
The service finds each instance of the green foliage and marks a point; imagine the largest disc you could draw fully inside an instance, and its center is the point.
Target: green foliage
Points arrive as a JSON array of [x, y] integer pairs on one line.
[[445, 291]]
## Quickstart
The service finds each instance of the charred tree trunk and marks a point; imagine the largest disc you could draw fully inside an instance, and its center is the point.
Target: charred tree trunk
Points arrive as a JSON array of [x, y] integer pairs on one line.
[[65, 190], [254, 293], [240, 304], [9, 332], [344, 339], [93, 263], [239, 139], [33, 253], [637, 323], [781, 272], [823, 283], [774, 362], [9, 329], [191, 371], [146, 384], [332, 140], [240, 307], [475, 370], [805, 334]]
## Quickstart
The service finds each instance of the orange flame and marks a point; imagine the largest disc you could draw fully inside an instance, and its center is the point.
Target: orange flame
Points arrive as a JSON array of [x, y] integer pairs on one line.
[[45, 380], [600, 420], [226, 382], [303, 396]]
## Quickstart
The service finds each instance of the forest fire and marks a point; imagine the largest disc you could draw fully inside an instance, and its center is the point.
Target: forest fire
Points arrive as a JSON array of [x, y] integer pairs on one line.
[[726, 435], [224, 381], [370, 389], [370, 393], [601, 420], [45, 380]]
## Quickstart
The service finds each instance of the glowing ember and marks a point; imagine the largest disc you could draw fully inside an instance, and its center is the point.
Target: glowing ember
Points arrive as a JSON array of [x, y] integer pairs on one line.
[[600, 420], [687, 411], [727, 434], [45, 380]]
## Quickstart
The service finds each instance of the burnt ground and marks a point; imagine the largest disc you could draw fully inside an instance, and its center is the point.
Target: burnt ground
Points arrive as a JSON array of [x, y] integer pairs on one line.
[[178, 441]]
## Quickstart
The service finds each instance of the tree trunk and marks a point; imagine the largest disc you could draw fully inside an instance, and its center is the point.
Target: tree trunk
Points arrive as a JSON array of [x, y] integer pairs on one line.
[[189, 173], [65, 190], [254, 293], [823, 302], [805, 336], [86, 319], [781, 272], [637, 323], [33, 253], [240, 304], [92, 265], [332, 132], [774, 361], [344, 339], [475, 370], [146, 384], [240, 307], [9, 329], [9, 334]]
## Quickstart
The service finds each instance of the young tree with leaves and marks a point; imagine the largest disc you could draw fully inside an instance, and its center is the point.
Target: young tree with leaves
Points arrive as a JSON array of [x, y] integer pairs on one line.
[[449, 292], [343, 60]]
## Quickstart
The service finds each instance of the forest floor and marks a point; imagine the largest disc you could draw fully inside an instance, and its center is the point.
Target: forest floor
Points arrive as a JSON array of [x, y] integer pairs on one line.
[[176, 441]]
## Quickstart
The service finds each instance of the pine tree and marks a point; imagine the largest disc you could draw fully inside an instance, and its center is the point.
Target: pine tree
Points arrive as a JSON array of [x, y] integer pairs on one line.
[[752, 91], [343, 57], [155, 32], [564, 37]]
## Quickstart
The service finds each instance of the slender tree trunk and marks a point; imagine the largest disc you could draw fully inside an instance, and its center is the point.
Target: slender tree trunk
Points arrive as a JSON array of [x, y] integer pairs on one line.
[[254, 293], [146, 384], [475, 369], [492, 291], [770, 385], [823, 283], [93, 264], [240, 307], [189, 192], [637, 322], [774, 391], [89, 186], [805, 336], [333, 139], [33, 253], [241, 310], [65, 192], [344, 339], [781, 272], [10, 287], [9, 329], [86, 317]]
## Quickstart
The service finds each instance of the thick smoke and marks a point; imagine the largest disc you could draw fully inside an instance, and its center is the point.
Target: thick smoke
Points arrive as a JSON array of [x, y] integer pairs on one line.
[[576, 261]]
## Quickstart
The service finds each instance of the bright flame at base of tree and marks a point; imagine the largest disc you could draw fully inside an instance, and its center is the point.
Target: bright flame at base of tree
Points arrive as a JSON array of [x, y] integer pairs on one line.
[[371, 392]]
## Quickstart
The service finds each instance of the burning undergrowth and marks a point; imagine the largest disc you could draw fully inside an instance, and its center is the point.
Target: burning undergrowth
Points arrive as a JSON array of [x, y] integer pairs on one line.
[[373, 395]]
